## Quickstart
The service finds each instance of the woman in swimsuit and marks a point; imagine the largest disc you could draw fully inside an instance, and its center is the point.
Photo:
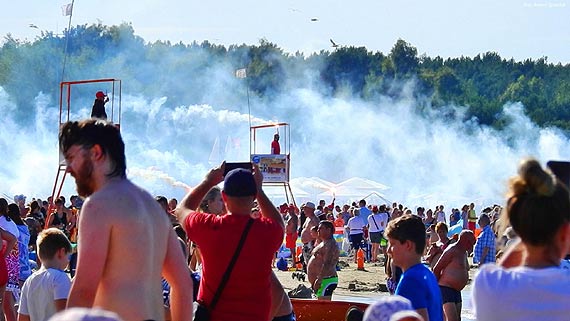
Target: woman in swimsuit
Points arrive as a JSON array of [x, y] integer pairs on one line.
[[8, 264], [8, 243], [23, 241]]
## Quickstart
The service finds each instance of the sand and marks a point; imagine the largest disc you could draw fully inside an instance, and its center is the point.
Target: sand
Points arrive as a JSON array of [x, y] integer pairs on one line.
[[371, 280], [367, 285]]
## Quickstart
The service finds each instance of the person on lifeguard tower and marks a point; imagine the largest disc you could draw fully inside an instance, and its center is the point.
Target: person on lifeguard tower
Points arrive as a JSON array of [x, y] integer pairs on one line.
[[98, 110], [275, 148]]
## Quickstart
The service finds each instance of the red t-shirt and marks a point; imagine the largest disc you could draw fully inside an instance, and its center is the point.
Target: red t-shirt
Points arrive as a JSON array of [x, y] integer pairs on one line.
[[247, 295], [275, 148]]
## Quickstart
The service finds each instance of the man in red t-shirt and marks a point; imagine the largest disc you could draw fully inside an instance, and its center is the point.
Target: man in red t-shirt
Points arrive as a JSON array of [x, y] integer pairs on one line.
[[246, 295], [275, 147]]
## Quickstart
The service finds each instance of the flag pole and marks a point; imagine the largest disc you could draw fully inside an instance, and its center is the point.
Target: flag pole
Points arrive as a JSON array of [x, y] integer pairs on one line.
[[242, 73], [67, 40], [248, 109]]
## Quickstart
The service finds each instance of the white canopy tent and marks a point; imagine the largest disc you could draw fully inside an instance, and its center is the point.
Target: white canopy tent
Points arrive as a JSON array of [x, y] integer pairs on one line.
[[278, 194], [352, 189], [359, 183]]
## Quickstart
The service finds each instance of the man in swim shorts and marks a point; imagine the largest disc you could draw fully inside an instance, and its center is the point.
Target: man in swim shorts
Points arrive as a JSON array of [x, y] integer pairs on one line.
[[308, 241], [291, 233], [321, 269], [452, 274]]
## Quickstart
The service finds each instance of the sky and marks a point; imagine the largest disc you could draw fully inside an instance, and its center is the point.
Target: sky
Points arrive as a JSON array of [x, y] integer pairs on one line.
[[516, 29]]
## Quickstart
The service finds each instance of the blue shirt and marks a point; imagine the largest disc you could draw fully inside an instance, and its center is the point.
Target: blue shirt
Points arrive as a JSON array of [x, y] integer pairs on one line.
[[485, 239], [419, 285], [364, 213]]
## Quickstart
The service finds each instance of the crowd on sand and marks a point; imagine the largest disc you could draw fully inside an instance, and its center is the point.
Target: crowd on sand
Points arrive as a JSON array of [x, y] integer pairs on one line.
[[117, 253]]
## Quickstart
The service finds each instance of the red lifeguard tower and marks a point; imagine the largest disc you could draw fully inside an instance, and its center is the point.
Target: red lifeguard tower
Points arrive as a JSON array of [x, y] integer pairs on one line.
[[82, 88], [275, 167]]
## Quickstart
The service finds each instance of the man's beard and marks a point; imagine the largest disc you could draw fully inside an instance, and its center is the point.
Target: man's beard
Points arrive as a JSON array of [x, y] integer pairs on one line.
[[83, 179]]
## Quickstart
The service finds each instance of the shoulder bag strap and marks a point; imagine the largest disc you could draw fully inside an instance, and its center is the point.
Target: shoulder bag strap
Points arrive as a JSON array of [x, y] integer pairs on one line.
[[375, 222], [226, 275]]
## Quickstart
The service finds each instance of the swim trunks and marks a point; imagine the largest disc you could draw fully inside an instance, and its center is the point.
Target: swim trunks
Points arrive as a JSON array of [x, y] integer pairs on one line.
[[291, 241], [288, 317], [328, 285], [450, 295]]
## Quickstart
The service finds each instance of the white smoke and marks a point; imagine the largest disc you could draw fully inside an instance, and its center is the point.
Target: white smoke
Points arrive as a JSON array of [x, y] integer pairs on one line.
[[425, 158]]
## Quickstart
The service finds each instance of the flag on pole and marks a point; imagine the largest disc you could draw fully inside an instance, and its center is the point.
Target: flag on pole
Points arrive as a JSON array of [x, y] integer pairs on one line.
[[67, 9], [241, 73]]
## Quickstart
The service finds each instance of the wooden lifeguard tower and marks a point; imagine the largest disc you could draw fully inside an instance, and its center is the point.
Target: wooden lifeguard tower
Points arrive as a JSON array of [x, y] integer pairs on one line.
[[275, 167]]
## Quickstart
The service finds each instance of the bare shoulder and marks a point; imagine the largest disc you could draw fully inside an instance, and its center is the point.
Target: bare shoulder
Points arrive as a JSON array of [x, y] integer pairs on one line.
[[121, 199], [332, 246], [315, 221], [452, 253]]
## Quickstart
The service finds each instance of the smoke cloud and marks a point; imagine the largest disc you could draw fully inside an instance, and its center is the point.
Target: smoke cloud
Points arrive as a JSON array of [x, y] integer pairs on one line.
[[426, 158]]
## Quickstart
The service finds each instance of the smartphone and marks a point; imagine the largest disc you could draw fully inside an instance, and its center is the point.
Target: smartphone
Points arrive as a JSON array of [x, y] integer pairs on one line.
[[561, 170], [231, 166]]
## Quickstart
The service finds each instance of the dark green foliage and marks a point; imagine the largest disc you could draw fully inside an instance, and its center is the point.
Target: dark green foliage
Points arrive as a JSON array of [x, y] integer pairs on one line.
[[201, 73]]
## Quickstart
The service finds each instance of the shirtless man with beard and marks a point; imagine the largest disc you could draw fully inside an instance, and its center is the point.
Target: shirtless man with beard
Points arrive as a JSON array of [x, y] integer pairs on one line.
[[126, 243], [321, 270], [452, 273]]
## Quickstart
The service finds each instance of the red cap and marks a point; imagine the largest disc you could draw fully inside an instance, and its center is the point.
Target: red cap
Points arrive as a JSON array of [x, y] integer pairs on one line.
[[374, 208], [100, 94]]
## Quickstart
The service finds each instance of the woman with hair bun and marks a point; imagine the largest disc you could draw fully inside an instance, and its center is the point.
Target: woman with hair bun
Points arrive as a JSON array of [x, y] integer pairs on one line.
[[528, 283]]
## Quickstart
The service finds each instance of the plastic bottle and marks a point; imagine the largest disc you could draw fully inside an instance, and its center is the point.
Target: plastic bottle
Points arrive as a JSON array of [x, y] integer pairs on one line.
[[360, 259]]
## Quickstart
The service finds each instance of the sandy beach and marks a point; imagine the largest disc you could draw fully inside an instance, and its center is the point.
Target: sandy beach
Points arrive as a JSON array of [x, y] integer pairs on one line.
[[368, 285]]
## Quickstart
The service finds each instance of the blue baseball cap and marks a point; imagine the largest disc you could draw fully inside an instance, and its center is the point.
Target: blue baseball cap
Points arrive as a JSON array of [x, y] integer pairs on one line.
[[239, 182]]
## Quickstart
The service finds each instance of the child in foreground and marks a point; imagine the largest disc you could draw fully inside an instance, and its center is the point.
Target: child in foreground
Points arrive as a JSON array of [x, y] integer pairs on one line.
[[407, 240], [45, 292]]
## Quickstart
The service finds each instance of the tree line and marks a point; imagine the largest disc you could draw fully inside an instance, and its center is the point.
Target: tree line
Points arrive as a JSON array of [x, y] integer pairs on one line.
[[184, 72]]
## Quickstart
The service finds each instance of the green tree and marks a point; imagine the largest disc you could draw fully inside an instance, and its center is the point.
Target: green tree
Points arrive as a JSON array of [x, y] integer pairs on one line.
[[404, 56], [347, 67]]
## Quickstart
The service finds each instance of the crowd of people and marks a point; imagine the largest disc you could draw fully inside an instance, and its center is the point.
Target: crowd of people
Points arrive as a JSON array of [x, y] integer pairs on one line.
[[148, 258], [433, 253], [521, 251]]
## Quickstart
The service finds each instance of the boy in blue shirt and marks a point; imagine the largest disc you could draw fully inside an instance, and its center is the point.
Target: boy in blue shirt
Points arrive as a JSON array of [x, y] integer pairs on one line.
[[406, 243]]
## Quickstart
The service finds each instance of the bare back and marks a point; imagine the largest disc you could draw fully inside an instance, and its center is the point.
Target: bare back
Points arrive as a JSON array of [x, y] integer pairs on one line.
[[453, 268], [124, 240]]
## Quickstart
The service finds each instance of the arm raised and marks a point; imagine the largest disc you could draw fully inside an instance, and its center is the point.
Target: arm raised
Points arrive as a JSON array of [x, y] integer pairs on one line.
[[267, 208], [192, 200]]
